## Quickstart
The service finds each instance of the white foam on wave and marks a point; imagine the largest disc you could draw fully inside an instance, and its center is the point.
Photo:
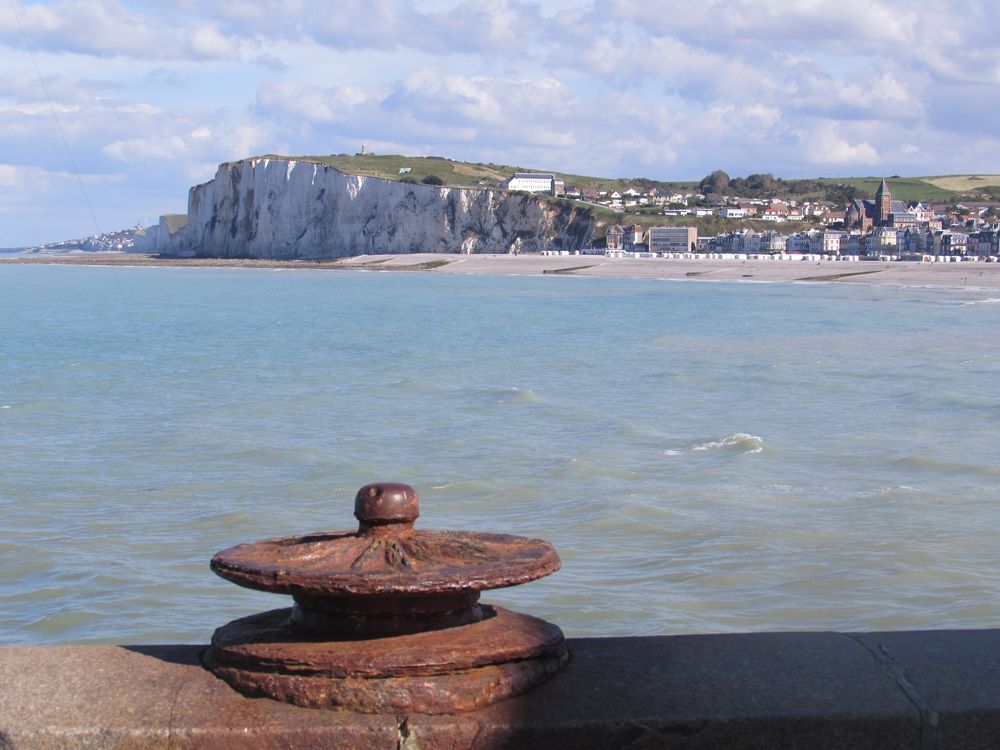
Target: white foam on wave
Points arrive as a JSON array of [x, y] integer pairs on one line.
[[740, 441], [737, 443]]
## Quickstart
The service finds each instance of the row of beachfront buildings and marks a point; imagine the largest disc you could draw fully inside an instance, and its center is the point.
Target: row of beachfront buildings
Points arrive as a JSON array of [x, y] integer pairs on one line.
[[882, 242], [892, 242], [879, 228]]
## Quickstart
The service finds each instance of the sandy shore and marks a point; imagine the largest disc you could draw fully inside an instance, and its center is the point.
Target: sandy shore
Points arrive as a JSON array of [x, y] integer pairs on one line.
[[969, 274]]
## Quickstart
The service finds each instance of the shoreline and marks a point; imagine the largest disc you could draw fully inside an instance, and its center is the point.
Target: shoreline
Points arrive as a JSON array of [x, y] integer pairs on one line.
[[970, 275]]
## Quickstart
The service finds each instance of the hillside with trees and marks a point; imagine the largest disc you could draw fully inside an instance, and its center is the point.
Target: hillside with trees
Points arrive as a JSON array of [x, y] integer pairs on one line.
[[838, 190]]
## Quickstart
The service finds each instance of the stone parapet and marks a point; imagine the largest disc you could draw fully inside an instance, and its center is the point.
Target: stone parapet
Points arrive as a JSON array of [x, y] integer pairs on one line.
[[920, 689]]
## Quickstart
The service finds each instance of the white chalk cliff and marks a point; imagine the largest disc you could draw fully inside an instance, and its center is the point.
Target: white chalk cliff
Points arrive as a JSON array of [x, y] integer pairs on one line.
[[283, 208]]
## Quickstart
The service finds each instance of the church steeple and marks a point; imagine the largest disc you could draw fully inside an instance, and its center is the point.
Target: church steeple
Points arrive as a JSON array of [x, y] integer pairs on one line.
[[883, 204]]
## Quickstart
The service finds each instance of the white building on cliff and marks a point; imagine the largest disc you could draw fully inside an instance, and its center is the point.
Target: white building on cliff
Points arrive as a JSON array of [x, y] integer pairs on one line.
[[532, 182]]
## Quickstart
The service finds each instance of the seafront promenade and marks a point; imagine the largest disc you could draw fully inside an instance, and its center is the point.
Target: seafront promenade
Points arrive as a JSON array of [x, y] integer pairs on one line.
[[964, 274], [920, 690]]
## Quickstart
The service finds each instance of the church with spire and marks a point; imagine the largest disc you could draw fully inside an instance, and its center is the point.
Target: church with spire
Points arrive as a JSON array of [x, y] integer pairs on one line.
[[881, 212]]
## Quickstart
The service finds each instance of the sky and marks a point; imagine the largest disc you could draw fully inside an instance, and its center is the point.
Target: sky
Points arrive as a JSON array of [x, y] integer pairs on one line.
[[111, 109]]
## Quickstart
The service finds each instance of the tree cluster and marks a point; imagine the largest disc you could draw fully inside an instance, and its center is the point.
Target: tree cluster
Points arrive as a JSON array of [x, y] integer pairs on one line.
[[754, 186], [768, 186]]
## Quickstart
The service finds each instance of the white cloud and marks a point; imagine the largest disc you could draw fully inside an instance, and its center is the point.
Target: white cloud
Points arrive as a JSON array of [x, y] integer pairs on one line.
[[38, 179], [312, 103], [147, 149], [233, 143], [42, 108], [432, 106], [491, 28], [8, 175], [377, 24], [258, 14], [161, 91], [65, 89], [491, 104], [109, 28], [206, 42], [826, 144], [100, 27], [241, 140], [858, 95]]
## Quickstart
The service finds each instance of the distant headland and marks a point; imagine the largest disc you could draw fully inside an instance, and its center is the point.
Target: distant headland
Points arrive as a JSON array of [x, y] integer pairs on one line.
[[328, 207]]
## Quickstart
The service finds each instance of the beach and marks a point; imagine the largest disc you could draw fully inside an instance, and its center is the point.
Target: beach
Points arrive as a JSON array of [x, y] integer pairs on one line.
[[967, 274], [902, 273]]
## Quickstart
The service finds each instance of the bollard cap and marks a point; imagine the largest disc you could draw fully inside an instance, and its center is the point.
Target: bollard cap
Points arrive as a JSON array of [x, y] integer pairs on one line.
[[386, 503], [386, 555]]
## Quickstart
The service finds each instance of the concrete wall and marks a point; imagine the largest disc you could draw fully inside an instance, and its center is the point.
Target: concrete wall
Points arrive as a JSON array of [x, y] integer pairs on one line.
[[922, 690]]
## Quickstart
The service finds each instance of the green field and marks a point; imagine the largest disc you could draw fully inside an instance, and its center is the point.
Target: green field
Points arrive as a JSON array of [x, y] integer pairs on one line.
[[942, 189], [902, 188], [470, 174], [459, 173], [839, 190], [967, 183]]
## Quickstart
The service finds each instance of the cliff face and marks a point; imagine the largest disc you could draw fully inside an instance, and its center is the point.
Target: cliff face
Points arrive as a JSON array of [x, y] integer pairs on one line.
[[279, 208]]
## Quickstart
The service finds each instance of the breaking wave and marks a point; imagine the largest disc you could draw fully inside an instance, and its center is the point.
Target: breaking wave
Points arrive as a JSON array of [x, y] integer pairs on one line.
[[736, 444]]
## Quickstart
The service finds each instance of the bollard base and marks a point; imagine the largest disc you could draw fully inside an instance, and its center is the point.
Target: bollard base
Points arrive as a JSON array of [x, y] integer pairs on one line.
[[443, 671]]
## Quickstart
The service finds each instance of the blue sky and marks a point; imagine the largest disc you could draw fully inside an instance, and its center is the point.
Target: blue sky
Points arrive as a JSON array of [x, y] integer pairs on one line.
[[124, 104]]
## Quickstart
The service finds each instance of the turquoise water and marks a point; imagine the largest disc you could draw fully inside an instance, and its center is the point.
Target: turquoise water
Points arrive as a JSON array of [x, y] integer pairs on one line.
[[706, 457]]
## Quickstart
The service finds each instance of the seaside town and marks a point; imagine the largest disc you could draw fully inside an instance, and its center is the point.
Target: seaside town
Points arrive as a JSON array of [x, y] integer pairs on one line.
[[879, 229]]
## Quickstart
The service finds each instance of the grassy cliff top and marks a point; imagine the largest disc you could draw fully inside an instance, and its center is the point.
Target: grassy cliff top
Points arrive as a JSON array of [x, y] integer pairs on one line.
[[940, 189], [469, 174], [926, 189]]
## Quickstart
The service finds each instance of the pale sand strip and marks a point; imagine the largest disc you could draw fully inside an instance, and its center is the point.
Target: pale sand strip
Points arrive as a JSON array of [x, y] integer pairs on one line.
[[969, 274]]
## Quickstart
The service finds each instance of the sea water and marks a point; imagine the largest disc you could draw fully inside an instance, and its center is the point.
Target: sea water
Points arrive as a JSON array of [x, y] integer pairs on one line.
[[706, 457]]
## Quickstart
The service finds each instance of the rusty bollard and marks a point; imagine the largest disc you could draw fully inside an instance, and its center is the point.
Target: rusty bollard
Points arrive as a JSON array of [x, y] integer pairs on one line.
[[387, 618]]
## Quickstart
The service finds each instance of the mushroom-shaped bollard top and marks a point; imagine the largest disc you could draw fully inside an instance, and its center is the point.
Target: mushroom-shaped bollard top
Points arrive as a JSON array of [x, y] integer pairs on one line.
[[386, 555]]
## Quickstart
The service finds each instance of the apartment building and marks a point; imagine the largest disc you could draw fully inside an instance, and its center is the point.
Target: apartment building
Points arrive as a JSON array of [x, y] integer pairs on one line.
[[672, 239]]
